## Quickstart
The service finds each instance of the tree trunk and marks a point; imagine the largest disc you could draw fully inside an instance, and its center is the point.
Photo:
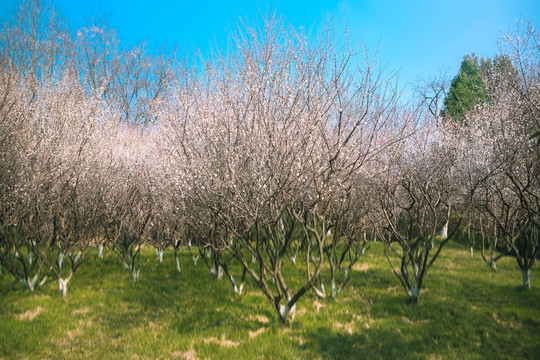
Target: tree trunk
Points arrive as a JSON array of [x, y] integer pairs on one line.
[[237, 289], [414, 294], [177, 262], [32, 284], [320, 292], [286, 313], [526, 278], [135, 274], [62, 285], [219, 274], [28, 284], [240, 288], [444, 231], [100, 251], [333, 287]]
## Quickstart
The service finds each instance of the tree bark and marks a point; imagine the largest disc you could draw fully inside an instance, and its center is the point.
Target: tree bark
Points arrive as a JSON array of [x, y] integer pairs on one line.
[[177, 262], [526, 278], [62, 285]]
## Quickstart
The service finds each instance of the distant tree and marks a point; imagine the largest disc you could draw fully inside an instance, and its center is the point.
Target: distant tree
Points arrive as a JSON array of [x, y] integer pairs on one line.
[[499, 75], [467, 89], [133, 80], [431, 94], [522, 46]]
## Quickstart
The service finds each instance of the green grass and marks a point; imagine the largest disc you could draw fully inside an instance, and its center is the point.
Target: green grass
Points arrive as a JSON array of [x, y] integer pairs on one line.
[[465, 312]]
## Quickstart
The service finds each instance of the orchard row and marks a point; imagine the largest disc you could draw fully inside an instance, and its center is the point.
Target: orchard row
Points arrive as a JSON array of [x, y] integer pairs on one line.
[[288, 146]]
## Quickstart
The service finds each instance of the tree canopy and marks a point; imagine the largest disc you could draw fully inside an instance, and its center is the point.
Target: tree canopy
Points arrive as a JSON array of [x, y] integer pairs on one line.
[[479, 81], [467, 89]]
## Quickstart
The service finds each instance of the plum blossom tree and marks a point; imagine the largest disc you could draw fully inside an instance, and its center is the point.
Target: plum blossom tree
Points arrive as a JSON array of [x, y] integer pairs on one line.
[[34, 88], [129, 79], [48, 212], [501, 132], [510, 197], [125, 199], [75, 208], [264, 141], [420, 184]]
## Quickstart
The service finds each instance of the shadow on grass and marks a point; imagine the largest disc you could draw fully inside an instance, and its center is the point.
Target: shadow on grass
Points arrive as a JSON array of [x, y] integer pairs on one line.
[[367, 344], [189, 303], [490, 319]]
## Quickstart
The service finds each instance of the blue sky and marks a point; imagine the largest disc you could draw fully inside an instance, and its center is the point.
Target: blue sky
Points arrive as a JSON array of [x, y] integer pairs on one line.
[[418, 38]]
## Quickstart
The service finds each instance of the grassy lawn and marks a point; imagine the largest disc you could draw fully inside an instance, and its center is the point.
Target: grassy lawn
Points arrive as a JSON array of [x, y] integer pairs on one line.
[[465, 312]]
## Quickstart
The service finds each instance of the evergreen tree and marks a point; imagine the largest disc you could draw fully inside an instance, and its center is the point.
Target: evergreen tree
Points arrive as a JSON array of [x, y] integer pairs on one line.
[[467, 89]]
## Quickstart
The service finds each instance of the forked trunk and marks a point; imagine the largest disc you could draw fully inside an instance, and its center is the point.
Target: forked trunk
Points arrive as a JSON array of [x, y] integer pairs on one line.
[[320, 292], [293, 260], [30, 284], [135, 274], [62, 285], [237, 289], [286, 313]]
